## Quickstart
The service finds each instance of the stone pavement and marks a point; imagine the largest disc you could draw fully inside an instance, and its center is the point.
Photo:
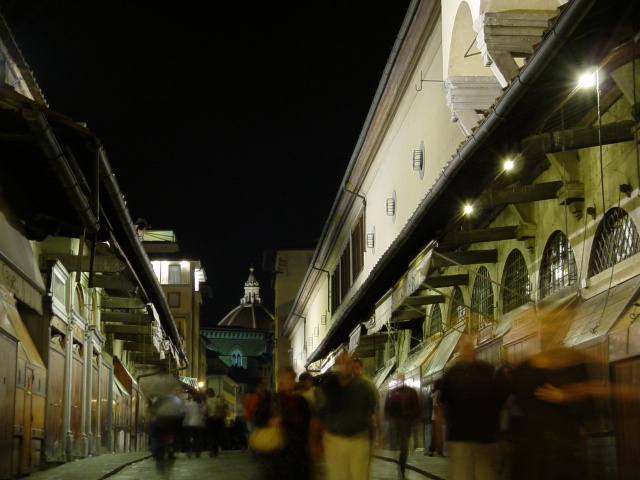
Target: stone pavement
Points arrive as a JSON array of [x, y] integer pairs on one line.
[[138, 465]]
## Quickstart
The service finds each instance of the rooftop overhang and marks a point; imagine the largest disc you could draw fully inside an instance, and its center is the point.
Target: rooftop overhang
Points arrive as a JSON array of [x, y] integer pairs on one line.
[[58, 181], [583, 35]]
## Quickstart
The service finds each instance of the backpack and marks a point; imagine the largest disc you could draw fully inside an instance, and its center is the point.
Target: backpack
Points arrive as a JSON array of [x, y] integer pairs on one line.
[[403, 403]]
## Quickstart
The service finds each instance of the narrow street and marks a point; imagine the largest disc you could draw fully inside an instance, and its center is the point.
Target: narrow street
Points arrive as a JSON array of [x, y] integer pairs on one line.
[[230, 465]]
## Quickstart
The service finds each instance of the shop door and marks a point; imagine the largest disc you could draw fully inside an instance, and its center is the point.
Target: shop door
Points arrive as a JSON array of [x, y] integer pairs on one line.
[[8, 360], [25, 448], [54, 436]]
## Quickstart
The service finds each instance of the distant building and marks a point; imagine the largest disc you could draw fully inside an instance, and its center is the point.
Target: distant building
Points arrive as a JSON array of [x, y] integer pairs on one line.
[[289, 266], [180, 275], [242, 342]]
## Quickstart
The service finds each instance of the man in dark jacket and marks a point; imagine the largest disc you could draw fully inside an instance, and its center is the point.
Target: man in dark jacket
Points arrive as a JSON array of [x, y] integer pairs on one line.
[[402, 409], [472, 398]]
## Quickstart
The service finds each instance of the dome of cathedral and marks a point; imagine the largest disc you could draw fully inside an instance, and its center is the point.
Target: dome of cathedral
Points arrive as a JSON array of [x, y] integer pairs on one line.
[[251, 313]]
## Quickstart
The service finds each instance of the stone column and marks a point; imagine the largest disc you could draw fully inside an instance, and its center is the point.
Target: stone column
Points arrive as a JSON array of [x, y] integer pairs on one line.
[[66, 419]]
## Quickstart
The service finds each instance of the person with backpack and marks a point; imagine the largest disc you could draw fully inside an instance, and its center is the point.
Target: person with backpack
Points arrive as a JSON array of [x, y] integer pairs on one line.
[[402, 409]]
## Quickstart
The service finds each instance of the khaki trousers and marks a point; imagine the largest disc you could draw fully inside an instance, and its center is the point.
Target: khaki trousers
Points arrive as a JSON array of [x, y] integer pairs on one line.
[[347, 458]]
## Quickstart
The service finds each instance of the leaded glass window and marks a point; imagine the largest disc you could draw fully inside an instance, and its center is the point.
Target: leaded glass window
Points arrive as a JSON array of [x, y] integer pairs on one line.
[[616, 240], [558, 266], [458, 312], [481, 300], [436, 320], [516, 289]]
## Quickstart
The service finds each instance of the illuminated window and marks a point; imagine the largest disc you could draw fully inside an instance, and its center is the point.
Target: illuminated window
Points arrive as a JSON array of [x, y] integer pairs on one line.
[[436, 320], [616, 240], [174, 274], [236, 358], [516, 289], [558, 265], [481, 301]]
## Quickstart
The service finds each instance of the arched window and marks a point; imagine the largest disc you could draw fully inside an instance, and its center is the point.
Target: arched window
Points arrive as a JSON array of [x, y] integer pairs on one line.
[[236, 358], [481, 300], [558, 266], [516, 289], [436, 320], [78, 300], [616, 240], [458, 311]]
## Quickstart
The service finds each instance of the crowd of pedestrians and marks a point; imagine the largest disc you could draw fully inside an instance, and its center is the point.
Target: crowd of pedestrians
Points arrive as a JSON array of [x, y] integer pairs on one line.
[[506, 423]]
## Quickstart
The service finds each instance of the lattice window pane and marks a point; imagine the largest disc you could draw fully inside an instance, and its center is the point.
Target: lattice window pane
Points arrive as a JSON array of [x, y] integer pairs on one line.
[[481, 300], [616, 240], [558, 266], [517, 287], [458, 308], [436, 320]]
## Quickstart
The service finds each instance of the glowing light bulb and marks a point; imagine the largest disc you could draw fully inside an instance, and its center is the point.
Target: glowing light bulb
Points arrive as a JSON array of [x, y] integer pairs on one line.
[[468, 209], [587, 80]]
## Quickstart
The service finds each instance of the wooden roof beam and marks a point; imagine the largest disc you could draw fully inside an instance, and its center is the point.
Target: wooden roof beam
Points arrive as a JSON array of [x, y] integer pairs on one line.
[[468, 257], [576, 138], [445, 281], [129, 318], [101, 263], [420, 300], [406, 315], [521, 194], [113, 282]]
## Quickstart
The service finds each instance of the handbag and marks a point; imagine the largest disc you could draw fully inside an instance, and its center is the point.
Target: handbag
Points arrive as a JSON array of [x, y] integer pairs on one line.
[[267, 439]]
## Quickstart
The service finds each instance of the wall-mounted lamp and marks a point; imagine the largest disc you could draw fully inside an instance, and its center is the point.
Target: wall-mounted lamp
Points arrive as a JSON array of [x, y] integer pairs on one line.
[[371, 240], [310, 342], [316, 332], [418, 160], [508, 165], [391, 205], [299, 355], [588, 80], [323, 319]]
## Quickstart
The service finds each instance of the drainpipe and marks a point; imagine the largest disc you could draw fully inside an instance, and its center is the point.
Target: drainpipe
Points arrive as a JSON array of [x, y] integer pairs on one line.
[[47, 141], [113, 190]]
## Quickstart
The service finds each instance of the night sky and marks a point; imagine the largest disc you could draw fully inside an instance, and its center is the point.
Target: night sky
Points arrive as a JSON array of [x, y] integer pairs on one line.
[[231, 123]]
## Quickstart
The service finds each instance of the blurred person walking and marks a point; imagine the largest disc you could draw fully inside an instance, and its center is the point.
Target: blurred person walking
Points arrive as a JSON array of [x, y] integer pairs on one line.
[[402, 409], [216, 417], [348, 416], [194, 425], [552, 389], [291, 411], [472, 398]]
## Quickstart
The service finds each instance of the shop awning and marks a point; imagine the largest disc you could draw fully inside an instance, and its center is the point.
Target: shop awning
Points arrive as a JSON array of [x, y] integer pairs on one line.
[[382, 313], [435, 368], [417, 359], [382, 375], [594, 317], [413, 279], [11, 322], [17, 256]]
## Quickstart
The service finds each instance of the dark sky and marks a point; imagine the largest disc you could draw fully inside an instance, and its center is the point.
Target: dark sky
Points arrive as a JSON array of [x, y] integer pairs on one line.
[[231, 123]]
